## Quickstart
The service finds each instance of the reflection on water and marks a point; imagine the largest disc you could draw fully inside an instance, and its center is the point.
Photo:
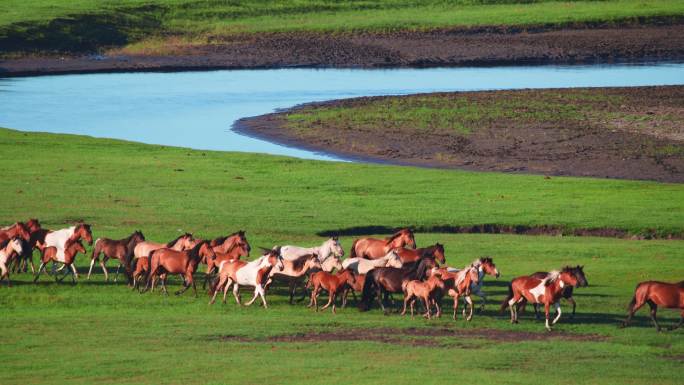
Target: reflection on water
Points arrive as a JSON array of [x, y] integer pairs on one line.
[[197, 109]]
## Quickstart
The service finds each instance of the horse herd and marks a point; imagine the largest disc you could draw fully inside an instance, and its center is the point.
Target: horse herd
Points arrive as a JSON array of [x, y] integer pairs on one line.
[[376, 268]]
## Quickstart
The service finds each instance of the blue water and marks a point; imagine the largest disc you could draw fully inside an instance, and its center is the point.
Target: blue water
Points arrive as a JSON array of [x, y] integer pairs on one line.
[[197, 109]]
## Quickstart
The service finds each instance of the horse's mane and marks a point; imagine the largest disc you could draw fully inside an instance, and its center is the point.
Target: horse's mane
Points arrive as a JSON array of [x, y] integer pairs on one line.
[[170, 244], [8, 227], [551, 277], [4, 243], [298, 263], [219, 240], [395, 235], [194, 252]]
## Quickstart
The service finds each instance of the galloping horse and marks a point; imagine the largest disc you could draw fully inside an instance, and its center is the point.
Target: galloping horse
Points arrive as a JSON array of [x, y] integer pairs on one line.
[[223, 244], [412, 255], [50, 253], [168, 261], [331, 247], [59, 238], [363, 266], [654, 293], [578, 271], [384, 280], [485, 265], [121, 249], [372, 248], [332, 283], [426, 291], [546, 291], [241, 273], [142, 250], [18, 229], [7, 249], [293, 271], [235, 252], [459, 284]]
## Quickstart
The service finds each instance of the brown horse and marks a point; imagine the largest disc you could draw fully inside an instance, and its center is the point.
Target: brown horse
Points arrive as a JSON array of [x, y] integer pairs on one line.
[[357, 286], [332, 283], [545, 291], [372, 248], [223, 244], [49, 253], [168, 261], [235, 252], [425, 290], [578, 271], [382, 281], [121, 249], [142, 251], [412, 255], [18, 229], [458, 284], [293, 272], [654, 293]]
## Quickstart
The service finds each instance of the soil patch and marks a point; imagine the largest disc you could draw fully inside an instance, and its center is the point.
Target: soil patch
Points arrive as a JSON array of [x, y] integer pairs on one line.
[[625, 133], [417, 336], [659, 39]]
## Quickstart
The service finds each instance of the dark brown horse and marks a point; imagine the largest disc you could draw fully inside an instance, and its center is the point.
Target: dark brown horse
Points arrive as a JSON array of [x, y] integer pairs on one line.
[[412, 255], [654, 293], [168, 261], [578, 271], [372, 248], [49, 253], [121, 249], [382, 281]]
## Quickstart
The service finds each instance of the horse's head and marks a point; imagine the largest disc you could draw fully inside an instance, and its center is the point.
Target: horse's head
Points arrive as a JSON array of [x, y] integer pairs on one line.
[[401, 238], [272, 258], [16, 244], [205, 251], [241, 238], [335, 247], [183, 242], [488, 266], [393, 260], [74, 246], [438, 252], [312, 262], [84, 232], [568, 278], [33, 224], [331, 264], [348, 276], [138, 236], [23, 231], [578, 271], [572, 272]]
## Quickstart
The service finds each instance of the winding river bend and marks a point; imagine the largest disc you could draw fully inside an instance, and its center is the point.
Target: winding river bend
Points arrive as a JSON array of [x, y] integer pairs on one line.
[[197, 109]]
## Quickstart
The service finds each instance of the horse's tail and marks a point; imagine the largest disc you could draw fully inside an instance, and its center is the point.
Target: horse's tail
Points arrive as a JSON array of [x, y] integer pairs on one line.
[[149, 269], [504, 304], [404, 285], [96, 249], [367, 293], [639, 296], [352, 252]]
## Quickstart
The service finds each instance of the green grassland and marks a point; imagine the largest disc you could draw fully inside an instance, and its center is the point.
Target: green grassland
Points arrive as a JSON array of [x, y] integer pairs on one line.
[[104, 333], [92, 24]]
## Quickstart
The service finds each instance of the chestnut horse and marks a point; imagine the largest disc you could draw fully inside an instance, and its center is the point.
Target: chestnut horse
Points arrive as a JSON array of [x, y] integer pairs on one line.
[[236, 251], [242, 273], [425, 290], [8, 248], [654, 293], [459, 284], [121, 249], [223, 244], [50, 253], [18, 229], [372, 248], [382, 281], [567, 291], [545, 291], [357, 286], [142, 250], [485, 266], [168, 261], [412, 255], [332, 283], [293, 271]]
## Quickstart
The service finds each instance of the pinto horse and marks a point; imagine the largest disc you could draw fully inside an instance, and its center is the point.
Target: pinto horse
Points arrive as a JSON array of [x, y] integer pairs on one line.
[[363, 266], [293, 272], [59, 238], [235, 252], [654, 293], [412, 255], [567, 291], [332, 283], [224, 244], [331, 247], [142, 250], [242, 273], [121, 249], [371, 248], [18, 229], [485, 266], [545, 291], [50, 253], [382, 281], [7, 249], [425, 290], [459, 284], [168, 261]]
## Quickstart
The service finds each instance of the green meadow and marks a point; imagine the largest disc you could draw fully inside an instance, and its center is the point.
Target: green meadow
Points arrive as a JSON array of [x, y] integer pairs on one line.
[[97, 332]]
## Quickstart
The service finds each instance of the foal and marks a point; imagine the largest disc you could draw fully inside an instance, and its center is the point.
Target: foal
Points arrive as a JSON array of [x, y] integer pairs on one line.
[[332, 283], [458, 284], [7, 250], [425, 290], [51, 253]]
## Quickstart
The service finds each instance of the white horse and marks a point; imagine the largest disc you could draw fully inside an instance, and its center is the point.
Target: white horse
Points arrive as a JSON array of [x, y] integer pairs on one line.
[[363, 265], [330, 247], [10, 246], [241, 273], [484, 266]]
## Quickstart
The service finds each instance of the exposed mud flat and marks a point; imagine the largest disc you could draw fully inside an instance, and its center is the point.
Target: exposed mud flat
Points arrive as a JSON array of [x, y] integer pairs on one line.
[[625, 133], [478, 46]]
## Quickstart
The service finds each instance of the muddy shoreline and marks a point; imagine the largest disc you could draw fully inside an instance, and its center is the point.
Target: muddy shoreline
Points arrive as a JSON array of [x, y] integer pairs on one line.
[[457, 47], [612, 149]]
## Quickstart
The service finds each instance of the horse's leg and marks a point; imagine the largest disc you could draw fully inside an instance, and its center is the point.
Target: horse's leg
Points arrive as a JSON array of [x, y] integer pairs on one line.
[[330, 299], [558, 312], [456, 305], [103, 264], [292, 290], [116, 277], [514, 309], [40, 268], [216, 290], [186, 285], [74, 273], [632, 309], [381, 295], [681, 321], [654, 309], [412, 305], [262, 293], [334, 300], [163, 284], [426, 302], [344, 297], [547, 310], [536, 310], [469, 301], [406, 299], [90, 270], [4, 271], [236, 292], [574, 305]]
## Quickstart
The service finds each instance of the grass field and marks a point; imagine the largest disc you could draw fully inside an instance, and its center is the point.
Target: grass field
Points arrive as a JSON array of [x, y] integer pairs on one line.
[[89, 24], [97, 332]]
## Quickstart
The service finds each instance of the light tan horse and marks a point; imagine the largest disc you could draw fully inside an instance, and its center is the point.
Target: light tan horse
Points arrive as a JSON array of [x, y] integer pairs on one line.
[[372, 248], [363, 266], [425, 290], [458, 284], [8, 249]]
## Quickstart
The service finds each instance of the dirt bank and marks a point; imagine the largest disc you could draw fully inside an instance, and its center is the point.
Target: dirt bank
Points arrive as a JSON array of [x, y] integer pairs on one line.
[[627, 133], [479, 46]]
